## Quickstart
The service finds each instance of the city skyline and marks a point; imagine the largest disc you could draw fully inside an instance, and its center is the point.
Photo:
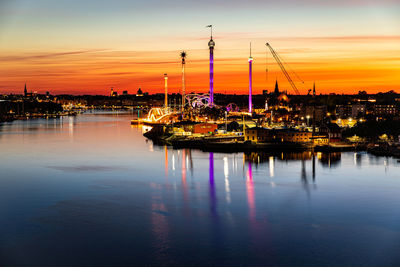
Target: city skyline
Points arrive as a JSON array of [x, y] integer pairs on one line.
[[87, 48]]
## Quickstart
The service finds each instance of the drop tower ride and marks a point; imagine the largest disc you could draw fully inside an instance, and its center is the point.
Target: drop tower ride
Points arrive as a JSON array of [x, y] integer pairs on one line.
[[211, 45]]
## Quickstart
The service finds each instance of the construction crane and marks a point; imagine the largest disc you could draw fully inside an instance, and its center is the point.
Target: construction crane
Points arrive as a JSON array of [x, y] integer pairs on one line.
[[278, 60]]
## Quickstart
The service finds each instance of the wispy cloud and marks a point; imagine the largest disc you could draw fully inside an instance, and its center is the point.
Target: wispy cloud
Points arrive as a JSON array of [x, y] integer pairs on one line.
[[343, 38], [47, 55]]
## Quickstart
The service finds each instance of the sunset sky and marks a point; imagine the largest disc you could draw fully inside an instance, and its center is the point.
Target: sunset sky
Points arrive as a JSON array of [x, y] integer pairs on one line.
[[88, 46]]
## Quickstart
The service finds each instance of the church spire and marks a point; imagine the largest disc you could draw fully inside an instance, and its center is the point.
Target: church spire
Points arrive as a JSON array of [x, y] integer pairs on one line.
[[276, 87], [314, 90]]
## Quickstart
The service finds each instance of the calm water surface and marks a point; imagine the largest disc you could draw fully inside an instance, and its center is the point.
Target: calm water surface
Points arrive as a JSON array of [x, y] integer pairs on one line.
[[90, 190]]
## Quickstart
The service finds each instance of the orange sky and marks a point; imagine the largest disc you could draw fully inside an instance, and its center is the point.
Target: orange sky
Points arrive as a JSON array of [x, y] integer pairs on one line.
[[342, 50]]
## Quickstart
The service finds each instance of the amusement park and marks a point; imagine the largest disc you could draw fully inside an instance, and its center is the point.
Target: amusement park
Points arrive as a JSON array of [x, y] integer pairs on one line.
[[279, 120]]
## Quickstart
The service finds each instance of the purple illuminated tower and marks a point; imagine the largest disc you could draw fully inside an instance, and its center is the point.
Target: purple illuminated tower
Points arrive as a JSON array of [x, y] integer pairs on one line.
[[211, 45], [250, 81]]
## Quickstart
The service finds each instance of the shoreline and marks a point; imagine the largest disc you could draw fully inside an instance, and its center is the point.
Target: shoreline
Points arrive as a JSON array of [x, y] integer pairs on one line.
[[217, 144], [235, 144]]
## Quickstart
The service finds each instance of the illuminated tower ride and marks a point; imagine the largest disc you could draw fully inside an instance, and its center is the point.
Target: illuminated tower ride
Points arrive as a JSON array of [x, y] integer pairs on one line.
[[211, 45], [166, 90], [183, 56], [250, 81]]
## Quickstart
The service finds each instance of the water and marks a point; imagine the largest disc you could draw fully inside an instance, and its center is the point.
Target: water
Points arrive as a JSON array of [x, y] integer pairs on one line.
[[90, 190]]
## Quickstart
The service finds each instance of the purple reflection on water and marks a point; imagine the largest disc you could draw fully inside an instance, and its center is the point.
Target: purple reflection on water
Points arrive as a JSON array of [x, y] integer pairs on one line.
[[213, 198], [250, 192], [211, 169]]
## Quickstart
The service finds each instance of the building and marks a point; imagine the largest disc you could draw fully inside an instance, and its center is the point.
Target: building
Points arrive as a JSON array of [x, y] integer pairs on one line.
[[332, 131], [278, 100], [358, 110], [384, 110], [256, 134], [128, 102], [204, 128], [292, 136], [307, 112], [320, 140], [139, 92], [344, 111]]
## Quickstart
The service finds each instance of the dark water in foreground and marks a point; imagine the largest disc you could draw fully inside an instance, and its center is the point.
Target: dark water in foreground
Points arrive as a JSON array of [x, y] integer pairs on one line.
[[91, 191]]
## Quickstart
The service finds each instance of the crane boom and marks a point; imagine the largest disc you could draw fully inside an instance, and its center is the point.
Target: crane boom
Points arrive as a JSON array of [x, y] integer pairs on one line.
[[275, 55]]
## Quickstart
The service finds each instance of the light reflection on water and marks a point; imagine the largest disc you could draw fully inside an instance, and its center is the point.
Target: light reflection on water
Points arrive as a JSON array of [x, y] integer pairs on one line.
[[91, 189]]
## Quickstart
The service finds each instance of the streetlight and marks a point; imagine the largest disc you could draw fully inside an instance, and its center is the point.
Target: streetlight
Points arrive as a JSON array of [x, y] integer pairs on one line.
[[308, 120]]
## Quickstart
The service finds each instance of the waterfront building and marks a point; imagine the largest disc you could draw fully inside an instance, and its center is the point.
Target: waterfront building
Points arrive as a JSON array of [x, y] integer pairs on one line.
[[256, 134], [259, 134], [292, 136], [320, 140], [204, 128], [332, 131]]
